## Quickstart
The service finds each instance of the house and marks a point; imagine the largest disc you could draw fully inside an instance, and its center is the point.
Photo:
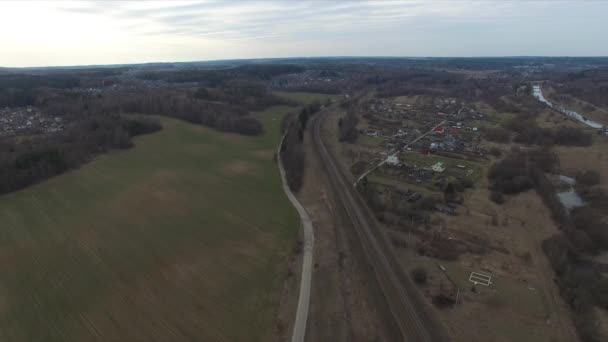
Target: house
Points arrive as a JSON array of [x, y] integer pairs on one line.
[[438, 167], [392, 160], [445, 209], [414, 197], [439, 130]]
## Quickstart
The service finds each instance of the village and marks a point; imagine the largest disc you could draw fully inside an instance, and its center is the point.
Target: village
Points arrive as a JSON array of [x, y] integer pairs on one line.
[[420, 162], [27, 120], [416, 146]]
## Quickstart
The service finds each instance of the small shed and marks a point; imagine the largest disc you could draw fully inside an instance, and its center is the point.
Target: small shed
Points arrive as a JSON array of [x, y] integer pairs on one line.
[[392, 160], [438, 167]]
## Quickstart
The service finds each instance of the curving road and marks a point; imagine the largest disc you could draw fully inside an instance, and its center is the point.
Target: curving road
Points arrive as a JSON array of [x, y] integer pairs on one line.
[[299, 327], [410, 312]]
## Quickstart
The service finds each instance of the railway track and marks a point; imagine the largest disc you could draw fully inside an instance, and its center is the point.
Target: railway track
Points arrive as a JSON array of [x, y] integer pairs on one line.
[[407, 307]]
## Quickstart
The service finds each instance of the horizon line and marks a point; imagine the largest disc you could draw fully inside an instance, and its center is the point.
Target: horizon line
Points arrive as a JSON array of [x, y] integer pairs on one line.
[[294, 57]]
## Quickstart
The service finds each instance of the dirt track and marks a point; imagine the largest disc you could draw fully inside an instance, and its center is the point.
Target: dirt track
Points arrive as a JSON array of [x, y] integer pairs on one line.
[[299, 327]]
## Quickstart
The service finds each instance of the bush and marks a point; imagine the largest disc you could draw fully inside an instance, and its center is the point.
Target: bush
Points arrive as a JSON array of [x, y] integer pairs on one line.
[[497, 134], [534, 135], [515, 173], [419, 275], [495, 151], [348, 127], [141, 126], [571, 136], [497, 197], [588, 178]]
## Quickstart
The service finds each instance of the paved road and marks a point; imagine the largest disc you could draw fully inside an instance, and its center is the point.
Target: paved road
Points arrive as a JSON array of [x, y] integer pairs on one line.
[[410, 312], [299, 327], [397, 152]]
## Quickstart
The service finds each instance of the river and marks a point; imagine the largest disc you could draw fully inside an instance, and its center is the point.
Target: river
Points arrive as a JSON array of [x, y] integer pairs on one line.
[[537, 92]]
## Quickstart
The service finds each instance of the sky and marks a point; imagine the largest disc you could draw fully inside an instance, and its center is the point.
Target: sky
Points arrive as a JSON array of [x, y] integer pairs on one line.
[[59, 33]]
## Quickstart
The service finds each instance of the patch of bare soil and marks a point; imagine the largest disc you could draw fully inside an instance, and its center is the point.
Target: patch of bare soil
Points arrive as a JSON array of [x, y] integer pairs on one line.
[[238, 167], [264, 154]]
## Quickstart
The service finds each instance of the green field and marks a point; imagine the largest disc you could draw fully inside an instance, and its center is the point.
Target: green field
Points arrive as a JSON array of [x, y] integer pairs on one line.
[[184, 237]]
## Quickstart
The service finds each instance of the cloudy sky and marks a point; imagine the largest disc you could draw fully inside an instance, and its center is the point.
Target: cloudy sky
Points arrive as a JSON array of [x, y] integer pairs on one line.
[[109, 32]]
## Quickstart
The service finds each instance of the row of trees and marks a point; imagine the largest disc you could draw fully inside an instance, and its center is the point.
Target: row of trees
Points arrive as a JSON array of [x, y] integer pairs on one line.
[[529, 133], [218, 115], [292, 149], [250, 95]]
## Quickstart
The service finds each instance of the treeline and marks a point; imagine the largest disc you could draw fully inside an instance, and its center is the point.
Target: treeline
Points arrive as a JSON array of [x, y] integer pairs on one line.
[[292, 149], [588, 85], [224, 117], [30, 161], [250, 95], [217, 77], [22, 90], [529, 133], [407, 82], [582, 231]]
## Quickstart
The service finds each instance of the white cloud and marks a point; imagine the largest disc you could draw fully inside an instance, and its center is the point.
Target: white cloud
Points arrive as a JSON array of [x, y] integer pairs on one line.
[[96, 32]]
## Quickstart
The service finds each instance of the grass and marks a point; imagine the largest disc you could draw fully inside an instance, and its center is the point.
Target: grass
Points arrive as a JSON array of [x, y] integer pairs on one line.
[[512, 304], [186, 236], [450, 164], [368, 141]]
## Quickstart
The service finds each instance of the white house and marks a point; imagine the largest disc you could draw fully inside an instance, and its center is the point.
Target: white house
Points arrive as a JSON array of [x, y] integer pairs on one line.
[[392, 160], [438, 167]]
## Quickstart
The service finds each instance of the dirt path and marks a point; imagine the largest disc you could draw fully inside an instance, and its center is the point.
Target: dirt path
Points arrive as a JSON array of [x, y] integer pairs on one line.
[[299, 327]]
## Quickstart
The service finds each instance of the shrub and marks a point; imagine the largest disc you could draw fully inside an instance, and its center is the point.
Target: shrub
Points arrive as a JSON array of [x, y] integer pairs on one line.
[[497, 134], [571, 136], [419, 275], [141, 126], [534, 135], [348, 127], [497, 197], [588, 178], [495, 151]]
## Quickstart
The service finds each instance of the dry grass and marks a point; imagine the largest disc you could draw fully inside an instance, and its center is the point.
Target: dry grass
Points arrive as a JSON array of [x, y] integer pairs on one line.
[[523, 304], [594, 157]]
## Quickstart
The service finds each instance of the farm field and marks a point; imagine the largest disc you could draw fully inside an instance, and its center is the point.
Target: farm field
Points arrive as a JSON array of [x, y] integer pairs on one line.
[[184, 237]]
